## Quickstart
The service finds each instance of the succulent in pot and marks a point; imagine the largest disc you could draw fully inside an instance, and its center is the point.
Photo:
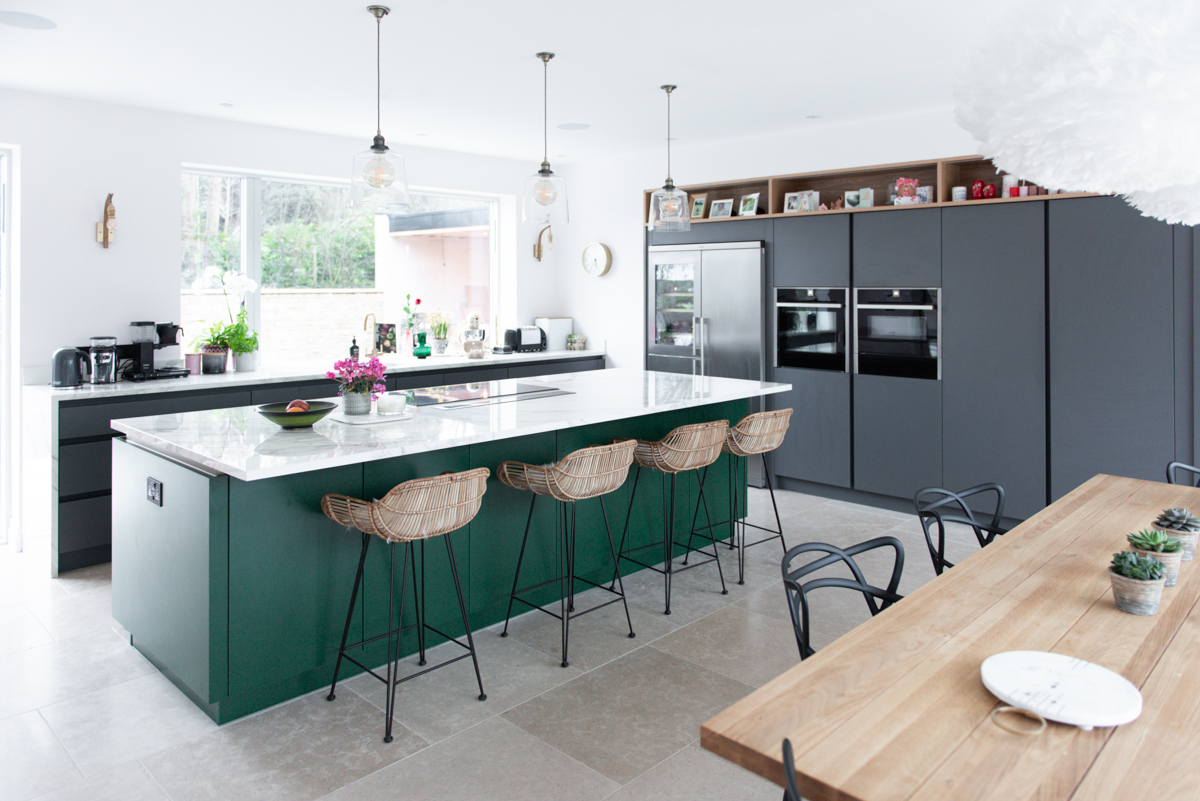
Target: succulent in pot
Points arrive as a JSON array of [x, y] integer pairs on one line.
[[1183, 524], [1137, 582], [1161, 546]]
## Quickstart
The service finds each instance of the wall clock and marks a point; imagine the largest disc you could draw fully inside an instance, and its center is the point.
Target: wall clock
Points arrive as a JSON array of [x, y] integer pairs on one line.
[[597, 258]]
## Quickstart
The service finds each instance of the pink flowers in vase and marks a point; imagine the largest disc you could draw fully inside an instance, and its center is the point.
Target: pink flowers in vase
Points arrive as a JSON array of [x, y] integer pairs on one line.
[[361, 377]]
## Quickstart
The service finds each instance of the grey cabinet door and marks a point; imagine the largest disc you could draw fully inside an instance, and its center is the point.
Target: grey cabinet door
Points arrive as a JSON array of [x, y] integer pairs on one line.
[[817, 444], [812, 251], [994, 351], [901, 248], [732, 231], [897, 434], [1111, 343]]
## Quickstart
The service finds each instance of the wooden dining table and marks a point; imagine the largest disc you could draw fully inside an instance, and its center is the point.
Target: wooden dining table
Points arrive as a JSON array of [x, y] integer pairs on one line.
[[896, 709]]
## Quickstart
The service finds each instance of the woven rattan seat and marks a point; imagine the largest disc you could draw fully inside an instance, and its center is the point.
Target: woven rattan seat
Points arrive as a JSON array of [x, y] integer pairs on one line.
[[757, 433], [689, 447], [410, 513], [585, 473]]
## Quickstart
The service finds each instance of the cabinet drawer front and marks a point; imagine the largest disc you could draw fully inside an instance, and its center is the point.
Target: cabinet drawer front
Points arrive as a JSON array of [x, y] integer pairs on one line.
[[84, 524], [414, 380], [530, 370], [477, 375], [84, 468], [93, 420]]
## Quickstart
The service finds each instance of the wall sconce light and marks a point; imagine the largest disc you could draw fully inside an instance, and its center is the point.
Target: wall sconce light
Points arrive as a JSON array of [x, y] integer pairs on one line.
[[538, 251], [106, 231]]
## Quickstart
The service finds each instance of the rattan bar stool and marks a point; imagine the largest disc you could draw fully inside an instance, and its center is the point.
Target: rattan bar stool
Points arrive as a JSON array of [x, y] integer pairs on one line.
[[411, 512], [586, 473], [687, 448], [755, 435]]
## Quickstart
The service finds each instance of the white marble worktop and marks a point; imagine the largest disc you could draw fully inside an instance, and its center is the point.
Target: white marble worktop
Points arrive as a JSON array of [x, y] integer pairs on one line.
[[241, 443], [302, 372]]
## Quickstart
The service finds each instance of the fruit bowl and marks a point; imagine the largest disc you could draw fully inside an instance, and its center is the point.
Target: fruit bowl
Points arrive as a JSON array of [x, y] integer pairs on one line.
[[276, 413]]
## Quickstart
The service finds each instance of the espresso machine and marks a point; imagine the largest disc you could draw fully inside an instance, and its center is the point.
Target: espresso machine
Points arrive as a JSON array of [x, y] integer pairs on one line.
[[148, 337]]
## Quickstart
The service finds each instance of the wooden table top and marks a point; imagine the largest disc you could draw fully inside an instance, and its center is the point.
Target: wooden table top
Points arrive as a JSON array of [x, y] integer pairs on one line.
[[895, 709]]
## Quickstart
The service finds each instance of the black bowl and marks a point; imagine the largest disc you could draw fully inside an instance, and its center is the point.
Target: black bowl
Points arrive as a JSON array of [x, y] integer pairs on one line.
[[277, 413]]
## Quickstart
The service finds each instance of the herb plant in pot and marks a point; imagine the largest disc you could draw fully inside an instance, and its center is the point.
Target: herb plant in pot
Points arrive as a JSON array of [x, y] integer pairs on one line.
[[359, 383], [1137, 582], [243, 342], [1184, 525], [214, 350], [1161, 546]]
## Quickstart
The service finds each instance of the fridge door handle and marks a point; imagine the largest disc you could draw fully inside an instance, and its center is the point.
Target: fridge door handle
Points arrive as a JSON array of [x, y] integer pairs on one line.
[[699, 334]]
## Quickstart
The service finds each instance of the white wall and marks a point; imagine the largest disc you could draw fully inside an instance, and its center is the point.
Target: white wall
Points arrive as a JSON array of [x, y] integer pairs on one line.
[[606, 204], [75, 152]]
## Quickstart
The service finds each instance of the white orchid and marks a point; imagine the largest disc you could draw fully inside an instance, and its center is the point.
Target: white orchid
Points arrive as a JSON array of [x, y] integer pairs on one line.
[[233, 284]]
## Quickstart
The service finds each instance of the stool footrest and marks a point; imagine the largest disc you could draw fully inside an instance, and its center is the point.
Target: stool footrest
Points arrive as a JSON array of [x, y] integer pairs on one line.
[[516, 596]]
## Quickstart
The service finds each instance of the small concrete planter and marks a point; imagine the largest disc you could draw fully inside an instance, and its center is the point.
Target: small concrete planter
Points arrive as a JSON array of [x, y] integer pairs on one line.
[[1170, 563], [1187, 541], [1136, 597], [245, 362]]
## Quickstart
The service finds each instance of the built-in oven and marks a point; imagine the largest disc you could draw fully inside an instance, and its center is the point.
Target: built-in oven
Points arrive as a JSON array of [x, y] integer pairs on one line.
[[896, 332], [810, 328]]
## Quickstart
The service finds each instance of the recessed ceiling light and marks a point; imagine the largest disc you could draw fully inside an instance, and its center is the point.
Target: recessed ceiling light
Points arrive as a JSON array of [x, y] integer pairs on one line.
[[813, 117], [226, 105], [574, 126], [19, 19]]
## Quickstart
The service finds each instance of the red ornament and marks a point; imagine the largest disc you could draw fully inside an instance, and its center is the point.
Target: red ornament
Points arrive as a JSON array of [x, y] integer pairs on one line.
[[977, 190], [989, 190]]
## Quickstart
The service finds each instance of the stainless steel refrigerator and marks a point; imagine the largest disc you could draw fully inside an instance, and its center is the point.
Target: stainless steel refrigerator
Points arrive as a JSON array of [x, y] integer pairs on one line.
[[705, 314]]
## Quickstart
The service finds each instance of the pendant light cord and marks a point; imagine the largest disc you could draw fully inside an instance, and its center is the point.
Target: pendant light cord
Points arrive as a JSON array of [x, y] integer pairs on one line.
[[545, 110], [669, 137], [378, 74]]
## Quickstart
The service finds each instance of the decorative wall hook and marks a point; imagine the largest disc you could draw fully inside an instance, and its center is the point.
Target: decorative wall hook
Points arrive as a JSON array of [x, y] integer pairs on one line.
[[106, 231]]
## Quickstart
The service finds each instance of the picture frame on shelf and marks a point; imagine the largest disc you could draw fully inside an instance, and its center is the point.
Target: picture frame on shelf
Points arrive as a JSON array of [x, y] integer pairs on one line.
[[698, 206], [792, 203], [852, 199], [810, 200], [749, 205], [866, 198], [721, 208]]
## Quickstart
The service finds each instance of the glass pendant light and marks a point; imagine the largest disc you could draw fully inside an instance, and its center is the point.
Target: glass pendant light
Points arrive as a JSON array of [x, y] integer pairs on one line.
[[669, 206], [544, 198], [377, 175]]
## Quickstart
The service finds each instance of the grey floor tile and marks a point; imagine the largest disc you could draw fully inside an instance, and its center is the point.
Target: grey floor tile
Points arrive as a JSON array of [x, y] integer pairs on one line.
[[128, 782], [300, 750], [32, 761], [75, 613], [596, 638], [693, 774], [694, 593], [495, 760], [44, 675], [627, 716], [21, 587], [445, 702], [109, 727], [738, 643], [771, 600], [19, 630], [85, 578]]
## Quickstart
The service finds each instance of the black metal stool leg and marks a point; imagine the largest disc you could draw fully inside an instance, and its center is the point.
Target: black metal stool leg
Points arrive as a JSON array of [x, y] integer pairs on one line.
[[568, 586], [733, 502], [520, 558], [628, 514], [419, 604], [393, 670], [712, 539], [366, 538], [695, 517], [462, 607], [771, 489], [613, 551], [669, 541]]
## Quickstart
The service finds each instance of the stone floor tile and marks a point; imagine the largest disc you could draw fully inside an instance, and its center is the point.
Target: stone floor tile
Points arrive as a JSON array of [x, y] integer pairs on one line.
[[738, 643], [75, 613], [85, 578], [694, 593], [495, 760], [112, 726], [32, 761], [300, 750], [627, 716], [128, 782], [19, 630], [693, 774]]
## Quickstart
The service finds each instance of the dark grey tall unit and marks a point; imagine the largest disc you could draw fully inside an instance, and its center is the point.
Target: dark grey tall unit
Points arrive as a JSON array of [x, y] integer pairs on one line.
[[897, 434], [1111, 343], [813, 251], [994, 365], [898, 248]]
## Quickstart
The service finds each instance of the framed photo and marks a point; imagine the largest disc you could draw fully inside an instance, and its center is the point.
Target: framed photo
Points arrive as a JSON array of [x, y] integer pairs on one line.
[[721, 208], [810, 200], [698, 206], [792, 202], [852, 198], [866, 197], [749, 205]]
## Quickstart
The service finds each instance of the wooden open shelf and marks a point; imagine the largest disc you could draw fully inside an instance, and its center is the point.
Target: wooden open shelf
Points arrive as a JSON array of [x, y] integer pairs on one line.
[[941, 173]]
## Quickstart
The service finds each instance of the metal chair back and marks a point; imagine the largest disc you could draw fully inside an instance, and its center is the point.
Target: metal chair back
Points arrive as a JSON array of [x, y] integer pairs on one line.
[[937, 506], [1173, 469]]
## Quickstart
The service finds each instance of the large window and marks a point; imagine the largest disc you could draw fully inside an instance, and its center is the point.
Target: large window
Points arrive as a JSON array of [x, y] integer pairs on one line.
[[323, 267]]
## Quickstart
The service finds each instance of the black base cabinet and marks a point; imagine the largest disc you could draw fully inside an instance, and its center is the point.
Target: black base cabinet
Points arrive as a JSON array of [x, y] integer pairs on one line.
[[994, 365], [817, 445], [897, 434]]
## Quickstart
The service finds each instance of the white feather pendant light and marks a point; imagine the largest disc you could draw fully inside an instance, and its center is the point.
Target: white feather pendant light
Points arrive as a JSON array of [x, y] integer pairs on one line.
[[1095, 96]]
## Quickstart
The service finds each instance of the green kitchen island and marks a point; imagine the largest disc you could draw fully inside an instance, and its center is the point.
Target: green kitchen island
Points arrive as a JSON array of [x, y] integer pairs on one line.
[[233, 584]]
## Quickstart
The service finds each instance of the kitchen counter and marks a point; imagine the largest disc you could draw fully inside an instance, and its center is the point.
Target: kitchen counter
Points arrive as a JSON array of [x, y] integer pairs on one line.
[[239, 442]]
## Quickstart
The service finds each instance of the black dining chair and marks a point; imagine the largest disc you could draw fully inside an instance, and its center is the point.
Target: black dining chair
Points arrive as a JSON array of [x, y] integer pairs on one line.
[[1173, 474], [937, 507], [877, 598], [790, 791]]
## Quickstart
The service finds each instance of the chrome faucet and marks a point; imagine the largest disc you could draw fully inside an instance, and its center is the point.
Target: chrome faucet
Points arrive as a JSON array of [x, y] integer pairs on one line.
[[374, 338]]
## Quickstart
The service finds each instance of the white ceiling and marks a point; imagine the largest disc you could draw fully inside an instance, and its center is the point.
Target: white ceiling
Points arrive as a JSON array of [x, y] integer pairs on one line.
[[463, 76]]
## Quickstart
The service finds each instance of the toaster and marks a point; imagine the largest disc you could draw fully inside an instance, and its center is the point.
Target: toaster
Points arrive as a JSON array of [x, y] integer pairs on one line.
[[526, 339]]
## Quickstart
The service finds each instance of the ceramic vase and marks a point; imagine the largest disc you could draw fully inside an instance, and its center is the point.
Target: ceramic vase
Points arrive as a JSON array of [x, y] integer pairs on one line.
[[356, 402], [1136, 597], [1170, 563], [245, 362], [439, 346], [213, 359], [1187, 541]]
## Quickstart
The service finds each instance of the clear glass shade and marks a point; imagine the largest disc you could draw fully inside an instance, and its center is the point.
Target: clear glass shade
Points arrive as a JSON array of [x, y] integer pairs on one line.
[[378, 179], [544, 199], [669, 211]]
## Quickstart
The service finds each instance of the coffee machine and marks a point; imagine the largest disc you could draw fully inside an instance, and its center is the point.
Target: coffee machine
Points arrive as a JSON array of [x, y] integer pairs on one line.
[[148, 337]]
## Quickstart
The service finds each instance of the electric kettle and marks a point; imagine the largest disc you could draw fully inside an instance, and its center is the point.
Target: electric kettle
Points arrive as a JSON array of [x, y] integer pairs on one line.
[[67, 366]]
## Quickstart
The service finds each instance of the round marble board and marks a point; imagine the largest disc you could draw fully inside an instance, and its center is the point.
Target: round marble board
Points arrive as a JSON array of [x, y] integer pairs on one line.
[[1061, 688]]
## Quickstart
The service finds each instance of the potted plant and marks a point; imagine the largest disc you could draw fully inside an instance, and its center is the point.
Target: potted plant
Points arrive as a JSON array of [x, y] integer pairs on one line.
[[359, 383], [439, 324], [1137, 582], [243, 342], [214, 350], [1161, 546], [1183, 524]]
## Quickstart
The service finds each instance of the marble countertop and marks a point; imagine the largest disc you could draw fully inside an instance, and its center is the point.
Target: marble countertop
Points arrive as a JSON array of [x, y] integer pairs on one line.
[[294, 372], [241, 443]]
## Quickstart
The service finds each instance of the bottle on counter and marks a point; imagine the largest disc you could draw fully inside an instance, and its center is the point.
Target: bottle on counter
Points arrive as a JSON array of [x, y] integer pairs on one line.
[[354, 348]]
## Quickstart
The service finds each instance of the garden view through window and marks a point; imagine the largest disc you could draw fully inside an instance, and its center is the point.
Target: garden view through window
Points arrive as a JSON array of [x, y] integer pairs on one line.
[[321, 267]]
